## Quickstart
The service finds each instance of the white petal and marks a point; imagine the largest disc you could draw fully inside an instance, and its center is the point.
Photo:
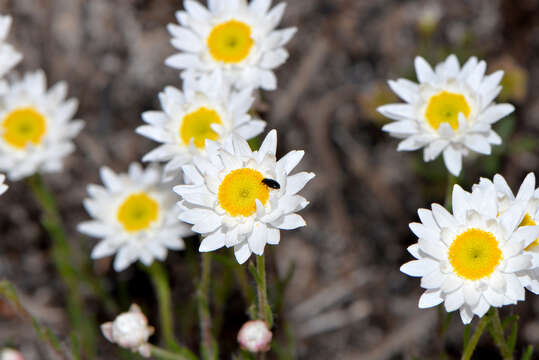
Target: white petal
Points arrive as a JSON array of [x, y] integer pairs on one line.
[[258, 238], [297, 182], [429, 299], [419, 268], [477, 143], [423, 70], [111, 180], [443, 217], [495, 112], [103, 249], [405, 89], [513, 216], [242, 252], [126, 256], [424, 232], [434, 149], [433, 280], [526, 190], [427, 218], [94, 228], [289, 222], [460, 203], [515, 290], [453, 160], [405, 127], [471, 295], [466, 315], [212, 242], [517, 263], [435, 249], [274, 236], [268, 147], [453, 301], [290, 160]]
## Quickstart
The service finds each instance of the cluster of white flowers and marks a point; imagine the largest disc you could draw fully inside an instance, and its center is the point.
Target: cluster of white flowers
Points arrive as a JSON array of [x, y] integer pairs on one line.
[[231, 195], [481, 255]]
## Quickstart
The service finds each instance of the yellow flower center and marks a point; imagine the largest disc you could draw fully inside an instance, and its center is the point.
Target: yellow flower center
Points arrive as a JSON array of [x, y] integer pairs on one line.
[[474, 254], [445, 107], [240, 189], [22, 126], [528, 221], [137, 212], [197, 126], [230, 42]]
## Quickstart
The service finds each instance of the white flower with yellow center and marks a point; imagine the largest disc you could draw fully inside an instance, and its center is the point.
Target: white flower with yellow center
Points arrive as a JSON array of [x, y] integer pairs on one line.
[[241, 198], [233, 38], [471, 260], [36, 126], [206, 110], [528, 194], [450, 111], [9, 57], [134, 215]]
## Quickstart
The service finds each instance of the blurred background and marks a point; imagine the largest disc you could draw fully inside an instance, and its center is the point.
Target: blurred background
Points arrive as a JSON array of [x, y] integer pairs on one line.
[[337, 290]]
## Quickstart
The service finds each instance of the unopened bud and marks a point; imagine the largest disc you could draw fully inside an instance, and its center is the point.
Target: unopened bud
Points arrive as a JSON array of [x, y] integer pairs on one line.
[[130, 330], [254, 336], [10, 354]]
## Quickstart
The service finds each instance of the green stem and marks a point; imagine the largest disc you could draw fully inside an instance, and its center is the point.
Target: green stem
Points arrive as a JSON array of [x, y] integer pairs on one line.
[[208, 346], [264, 310], [470, 347], [65, 261], [498, 334], [160, 281], [163, 354], [261, 288]]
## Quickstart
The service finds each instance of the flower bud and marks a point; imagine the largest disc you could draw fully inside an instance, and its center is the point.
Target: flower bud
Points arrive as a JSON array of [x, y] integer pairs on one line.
[[254, 336], [10, 354], [130, 330]]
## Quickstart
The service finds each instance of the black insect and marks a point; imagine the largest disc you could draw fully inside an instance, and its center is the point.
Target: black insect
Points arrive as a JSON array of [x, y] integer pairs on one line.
[[271, 184]]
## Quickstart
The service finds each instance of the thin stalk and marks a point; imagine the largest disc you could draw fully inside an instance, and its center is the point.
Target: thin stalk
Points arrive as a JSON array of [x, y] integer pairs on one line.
[[498, 334], [470, 347], [208, 346], [264, 310], [261, 289], [162, 354], [63, 256], [160, 281]]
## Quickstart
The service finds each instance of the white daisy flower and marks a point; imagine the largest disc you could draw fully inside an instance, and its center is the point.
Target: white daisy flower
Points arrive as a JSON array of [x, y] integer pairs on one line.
[[134, 215], [3, 187], [205, 110], [36, 126], [9, 57], [528, 194], [241, 198], [471, 260], [451, 110], [231, 37]]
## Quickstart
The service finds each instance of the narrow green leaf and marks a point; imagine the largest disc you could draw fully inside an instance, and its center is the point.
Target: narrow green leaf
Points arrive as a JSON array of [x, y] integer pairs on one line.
[[255, 274], [512, 339], [528, 353], [269, 316]]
